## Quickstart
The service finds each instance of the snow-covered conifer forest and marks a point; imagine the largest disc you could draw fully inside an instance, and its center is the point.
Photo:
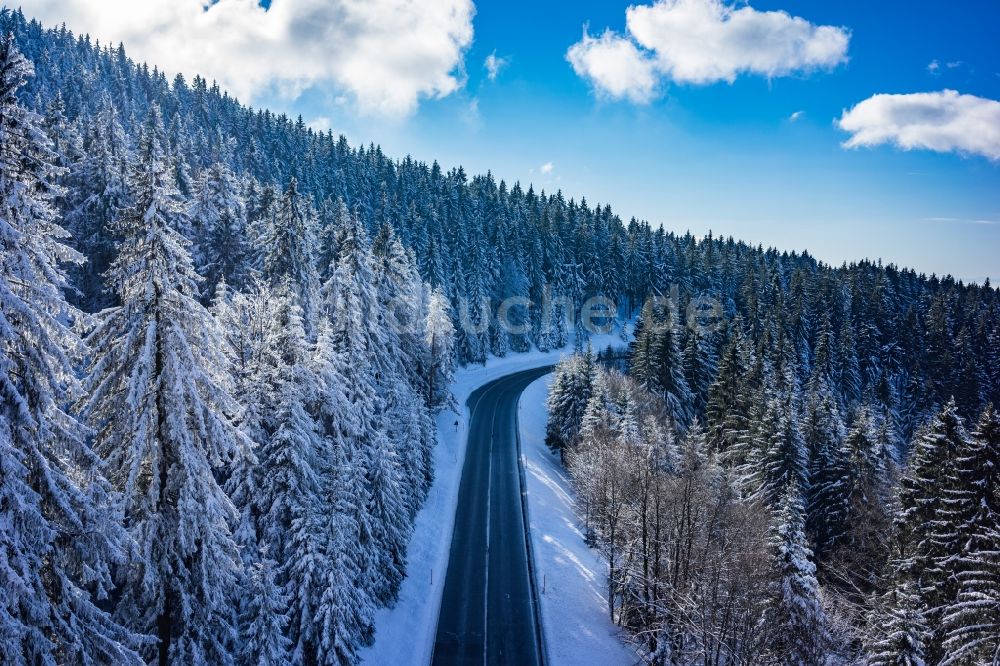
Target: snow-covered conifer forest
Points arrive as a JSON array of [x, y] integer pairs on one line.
[[762, 513], [224, 337]]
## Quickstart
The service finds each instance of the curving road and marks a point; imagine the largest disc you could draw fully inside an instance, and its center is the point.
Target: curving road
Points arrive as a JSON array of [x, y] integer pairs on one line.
[[489, 613]]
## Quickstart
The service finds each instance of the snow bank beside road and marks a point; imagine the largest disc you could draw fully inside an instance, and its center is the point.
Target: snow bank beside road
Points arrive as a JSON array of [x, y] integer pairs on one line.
[[574, 609]]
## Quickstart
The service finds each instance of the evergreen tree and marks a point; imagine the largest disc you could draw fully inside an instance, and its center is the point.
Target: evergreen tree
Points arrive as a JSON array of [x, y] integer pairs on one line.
[[801, 630], [61, 536], [657, 361], [344, 614], [777, 453], [972, 620], [823, 434], [264, 641], [727, 412], [220, 228], [399, 376], [700, 369], [898, 632], [287, 497], [163, 426], [569, 395], [99, 191], [439, 333], [289, 252], [352, 304], [925, 524]]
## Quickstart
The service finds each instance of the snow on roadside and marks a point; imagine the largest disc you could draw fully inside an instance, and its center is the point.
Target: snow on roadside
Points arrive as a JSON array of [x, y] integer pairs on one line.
[[574, 609], [404, 633]]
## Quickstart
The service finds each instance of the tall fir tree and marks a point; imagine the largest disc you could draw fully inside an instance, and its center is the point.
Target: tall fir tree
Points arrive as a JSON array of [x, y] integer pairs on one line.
[[352, 304], [439, 337], [61, 535], [569, 395], [897, 632], [801, 627], [972, 620], [219, 221], [289, 252], [163, 426], [264, 621], [287, 498], [925, 525]]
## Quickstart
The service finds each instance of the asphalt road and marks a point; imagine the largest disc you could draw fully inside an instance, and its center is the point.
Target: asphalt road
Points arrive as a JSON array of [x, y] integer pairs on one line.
[[489, 611]]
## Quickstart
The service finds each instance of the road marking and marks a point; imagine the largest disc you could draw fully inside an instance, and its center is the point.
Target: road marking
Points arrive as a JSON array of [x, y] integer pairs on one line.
[[489, 493]]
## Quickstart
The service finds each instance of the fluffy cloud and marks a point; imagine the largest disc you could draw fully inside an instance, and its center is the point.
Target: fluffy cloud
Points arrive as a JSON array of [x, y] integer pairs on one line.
[[614, 66], [703, 42], [494, 64], [385, 54], [547, 168], [941, 121]]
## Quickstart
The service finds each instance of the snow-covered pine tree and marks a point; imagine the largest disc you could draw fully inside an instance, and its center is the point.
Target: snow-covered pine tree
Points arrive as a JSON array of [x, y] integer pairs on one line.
[[924, 524], [801, 634], [473, 307], [572, 387], [657, 361], [287, 500], [332, 216], [60, 535], [439, 337], [700, 369], [289, 252], [344, 614], [406, 416], [219, 219], [163, 426], [897, 629], [855, 497], [777, 454], [847, 365], [972, 620], [264, 620], [823, 434], [352, 305], [726, 415], [67, 148], [99, 192], [742, 424]]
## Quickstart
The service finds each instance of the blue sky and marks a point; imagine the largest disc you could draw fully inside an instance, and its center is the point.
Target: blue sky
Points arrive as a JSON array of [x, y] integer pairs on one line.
[[693, 156]]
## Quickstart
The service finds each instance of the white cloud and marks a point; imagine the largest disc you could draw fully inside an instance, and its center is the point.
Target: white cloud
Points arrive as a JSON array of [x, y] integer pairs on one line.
[[962, 220], [494, 64], [385, 55], [546, 168], [469, 114], [797, 115], [935, 66], [320, 124], [614, 66], [703, 42], [941, 121]]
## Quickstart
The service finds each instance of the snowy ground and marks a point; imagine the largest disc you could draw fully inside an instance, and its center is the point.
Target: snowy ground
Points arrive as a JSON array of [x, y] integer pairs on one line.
[[404, 634], [574, 609]]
